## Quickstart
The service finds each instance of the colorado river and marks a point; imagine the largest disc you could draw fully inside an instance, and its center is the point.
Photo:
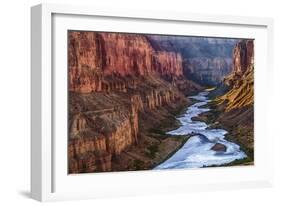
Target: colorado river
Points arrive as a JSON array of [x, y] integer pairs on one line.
[[197, 152]]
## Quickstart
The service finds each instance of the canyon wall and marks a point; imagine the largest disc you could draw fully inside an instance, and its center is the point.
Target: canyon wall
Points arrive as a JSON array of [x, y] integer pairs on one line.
[[206, 70], [238, 101], [112, 78], [98, 135], [110, 124], [94, 56], [241, 79], [168, 64], [205, 60]]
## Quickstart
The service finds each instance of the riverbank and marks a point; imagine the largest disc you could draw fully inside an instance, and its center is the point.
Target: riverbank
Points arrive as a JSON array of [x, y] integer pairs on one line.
[[154, 144], [183, 137], [198, 150], [241, 135]]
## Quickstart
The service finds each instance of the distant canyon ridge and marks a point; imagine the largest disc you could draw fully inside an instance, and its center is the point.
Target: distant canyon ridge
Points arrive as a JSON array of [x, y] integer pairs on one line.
[[126, 89], [205, 60]]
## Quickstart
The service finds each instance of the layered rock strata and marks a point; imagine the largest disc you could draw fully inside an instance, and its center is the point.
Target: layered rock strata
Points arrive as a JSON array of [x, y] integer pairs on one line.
[[205, 60], [238, 101], [97, 58], [241, 80], [113, 78]]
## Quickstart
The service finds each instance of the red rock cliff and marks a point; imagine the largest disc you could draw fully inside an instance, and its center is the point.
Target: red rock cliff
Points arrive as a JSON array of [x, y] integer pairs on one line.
[[109, 124], [113, 77], [243, 56], [93, 56], [97, 136], [168, 64]]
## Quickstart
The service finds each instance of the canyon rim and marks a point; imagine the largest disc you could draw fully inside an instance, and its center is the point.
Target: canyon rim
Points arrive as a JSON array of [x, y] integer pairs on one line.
[[146, 101]]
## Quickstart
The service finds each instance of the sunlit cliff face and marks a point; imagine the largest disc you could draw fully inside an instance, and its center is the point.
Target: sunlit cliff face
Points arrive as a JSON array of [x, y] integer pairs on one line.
[[241, 79], [95, 56]]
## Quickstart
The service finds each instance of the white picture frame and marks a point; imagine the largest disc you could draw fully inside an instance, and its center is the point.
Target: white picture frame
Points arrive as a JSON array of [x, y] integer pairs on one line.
[[50, 182]]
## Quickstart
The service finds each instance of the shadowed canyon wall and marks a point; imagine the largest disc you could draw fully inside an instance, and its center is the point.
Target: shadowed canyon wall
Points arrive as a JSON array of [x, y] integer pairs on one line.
[[205, 60], [113, 78]]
